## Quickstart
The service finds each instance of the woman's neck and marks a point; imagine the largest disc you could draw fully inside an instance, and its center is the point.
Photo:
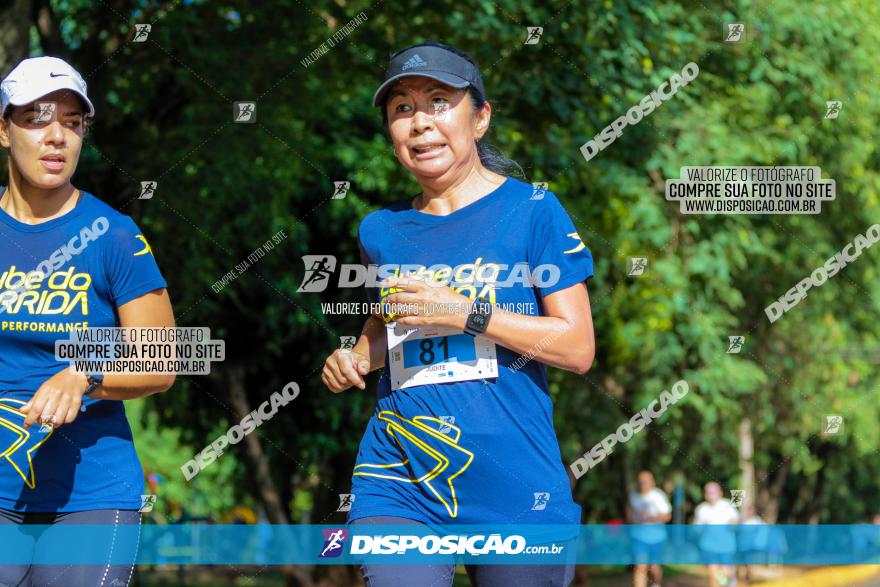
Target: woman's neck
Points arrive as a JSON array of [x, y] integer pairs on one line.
[[33, 205], [442, 197]]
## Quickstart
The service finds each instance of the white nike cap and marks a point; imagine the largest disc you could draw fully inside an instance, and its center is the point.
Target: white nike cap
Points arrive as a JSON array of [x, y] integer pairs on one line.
[[38, 76]]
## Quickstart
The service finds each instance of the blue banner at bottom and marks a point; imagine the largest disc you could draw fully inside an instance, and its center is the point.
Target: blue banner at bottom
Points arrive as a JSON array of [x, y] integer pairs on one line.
[[264, 544]]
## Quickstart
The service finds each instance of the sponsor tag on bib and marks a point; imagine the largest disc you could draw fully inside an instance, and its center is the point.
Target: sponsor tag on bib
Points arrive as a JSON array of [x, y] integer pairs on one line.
[[437, 354]]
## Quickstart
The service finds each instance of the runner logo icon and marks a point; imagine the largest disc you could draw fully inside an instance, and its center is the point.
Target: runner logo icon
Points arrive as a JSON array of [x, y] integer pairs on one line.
[[319, 268], [333, 541]]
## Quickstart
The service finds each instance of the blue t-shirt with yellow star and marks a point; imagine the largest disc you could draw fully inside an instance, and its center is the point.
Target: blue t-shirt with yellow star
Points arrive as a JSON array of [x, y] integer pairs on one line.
[[481, 450], [69, 273]]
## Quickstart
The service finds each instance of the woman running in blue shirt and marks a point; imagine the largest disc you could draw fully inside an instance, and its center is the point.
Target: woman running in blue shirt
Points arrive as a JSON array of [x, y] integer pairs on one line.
[[67, 262], [463, 428]]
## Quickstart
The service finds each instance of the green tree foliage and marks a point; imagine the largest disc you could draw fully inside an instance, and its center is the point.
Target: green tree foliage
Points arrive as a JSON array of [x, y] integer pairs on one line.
[[165, 114]]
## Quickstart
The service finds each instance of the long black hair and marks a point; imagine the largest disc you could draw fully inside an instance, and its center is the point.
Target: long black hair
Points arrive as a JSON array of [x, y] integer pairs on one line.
[[489, 155]]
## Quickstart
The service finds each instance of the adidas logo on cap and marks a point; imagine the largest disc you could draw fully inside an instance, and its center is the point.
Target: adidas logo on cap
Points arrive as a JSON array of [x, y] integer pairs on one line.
[[414, 61]]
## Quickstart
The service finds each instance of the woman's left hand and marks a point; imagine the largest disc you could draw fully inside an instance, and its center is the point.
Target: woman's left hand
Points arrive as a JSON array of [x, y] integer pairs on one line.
[[58, 400], [426, 303]]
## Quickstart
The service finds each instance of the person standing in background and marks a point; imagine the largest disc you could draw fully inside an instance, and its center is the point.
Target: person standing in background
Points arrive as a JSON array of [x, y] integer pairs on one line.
[[718, 545], [650, 506]]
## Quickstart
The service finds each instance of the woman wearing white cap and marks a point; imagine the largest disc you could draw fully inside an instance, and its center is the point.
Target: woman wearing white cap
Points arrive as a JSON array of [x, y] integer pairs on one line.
[[463, 428], [68, 261]]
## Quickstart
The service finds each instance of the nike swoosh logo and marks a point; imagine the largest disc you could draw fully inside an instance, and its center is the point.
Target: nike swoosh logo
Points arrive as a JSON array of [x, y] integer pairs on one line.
[[57, 75]]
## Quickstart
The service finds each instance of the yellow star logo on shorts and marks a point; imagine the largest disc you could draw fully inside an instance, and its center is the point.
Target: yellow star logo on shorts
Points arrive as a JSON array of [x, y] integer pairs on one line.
[[440, 461], [17, 444]]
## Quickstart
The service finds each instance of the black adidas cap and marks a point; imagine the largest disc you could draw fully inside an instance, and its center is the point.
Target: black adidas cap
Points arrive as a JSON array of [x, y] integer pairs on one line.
[[433, 62]]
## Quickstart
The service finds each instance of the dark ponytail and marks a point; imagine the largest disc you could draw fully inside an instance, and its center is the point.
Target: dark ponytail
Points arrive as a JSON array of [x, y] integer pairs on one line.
[[490, 157], [495, 161]]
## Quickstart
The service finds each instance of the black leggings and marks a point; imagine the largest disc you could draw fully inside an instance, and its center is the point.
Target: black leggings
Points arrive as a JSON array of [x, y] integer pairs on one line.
[[440, 575], [27, 575]]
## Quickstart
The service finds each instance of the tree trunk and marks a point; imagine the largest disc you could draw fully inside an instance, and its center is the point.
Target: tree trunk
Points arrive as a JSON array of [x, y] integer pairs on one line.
[[15, 24], [270, 497], [746, 464], [813, 508], [768, 495], [47, 28], [805, 490]]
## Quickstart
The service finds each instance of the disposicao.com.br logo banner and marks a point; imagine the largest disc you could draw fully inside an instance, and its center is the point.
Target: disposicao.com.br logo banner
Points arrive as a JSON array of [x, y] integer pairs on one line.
[[266, 544]]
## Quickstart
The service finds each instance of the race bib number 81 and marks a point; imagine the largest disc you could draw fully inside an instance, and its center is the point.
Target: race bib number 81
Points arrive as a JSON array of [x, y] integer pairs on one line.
[[439, 349], [421, 356]]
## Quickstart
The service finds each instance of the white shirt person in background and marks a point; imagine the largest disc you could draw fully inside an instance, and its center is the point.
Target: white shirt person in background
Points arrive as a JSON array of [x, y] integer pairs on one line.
[[650, 506], [718, 544]]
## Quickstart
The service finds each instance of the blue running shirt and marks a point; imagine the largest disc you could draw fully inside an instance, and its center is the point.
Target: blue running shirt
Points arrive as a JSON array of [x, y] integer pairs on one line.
[[91, 261], [483, 450]]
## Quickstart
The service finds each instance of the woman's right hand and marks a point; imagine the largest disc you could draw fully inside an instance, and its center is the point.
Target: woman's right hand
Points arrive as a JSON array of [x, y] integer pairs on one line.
[[345, 368]]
